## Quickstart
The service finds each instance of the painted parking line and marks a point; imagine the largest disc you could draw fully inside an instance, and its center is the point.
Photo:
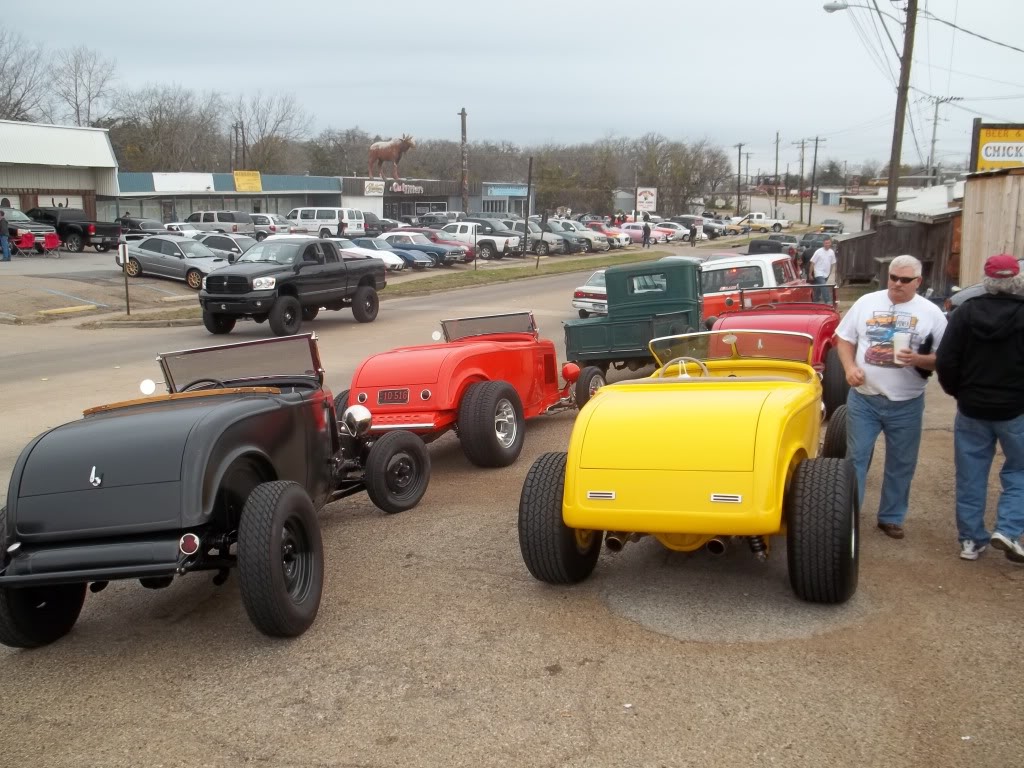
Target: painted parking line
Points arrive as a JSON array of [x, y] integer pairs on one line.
[[158, 288], [76, 298]]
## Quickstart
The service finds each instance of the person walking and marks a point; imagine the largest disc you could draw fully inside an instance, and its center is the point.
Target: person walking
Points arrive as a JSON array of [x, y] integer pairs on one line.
[[341, 227], [981, 363], [647, 235], [693, 235], [879, 345], [5, 243], [822, 263]]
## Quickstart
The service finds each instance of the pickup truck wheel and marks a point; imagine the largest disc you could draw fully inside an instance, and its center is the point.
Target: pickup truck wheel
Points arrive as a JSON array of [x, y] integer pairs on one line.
[[286, 316], [486, 251], [491, 424], [763, 230], [776, 227], [591, 379], [310, 313], [834, 386], [74, 243], [280, 559], [194, 278], [102, 248], [261, 236], [822, 531], [217, 323], [542, 248], [134, 269], [365, 304], [834, 445], [552, 551], [325, 233], [397, 471]]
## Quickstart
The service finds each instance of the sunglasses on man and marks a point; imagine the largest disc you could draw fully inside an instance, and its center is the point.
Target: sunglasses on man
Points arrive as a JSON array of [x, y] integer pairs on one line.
[[904, 280]]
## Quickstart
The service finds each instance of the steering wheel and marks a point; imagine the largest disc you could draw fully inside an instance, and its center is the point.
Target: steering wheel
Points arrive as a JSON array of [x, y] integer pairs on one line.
[[217, 384], [704, 369]]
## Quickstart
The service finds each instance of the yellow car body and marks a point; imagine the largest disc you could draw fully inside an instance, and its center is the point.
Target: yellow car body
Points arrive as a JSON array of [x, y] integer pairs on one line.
[[704, 449]]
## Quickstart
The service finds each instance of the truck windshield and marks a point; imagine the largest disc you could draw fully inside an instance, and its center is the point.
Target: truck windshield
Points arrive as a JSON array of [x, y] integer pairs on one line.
[[254, 362], [13, 214], [272, 252], [733, 345]]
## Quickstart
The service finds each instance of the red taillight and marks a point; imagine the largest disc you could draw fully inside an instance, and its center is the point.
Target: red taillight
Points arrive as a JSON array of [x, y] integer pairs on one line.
[[578, 294], [273, 227], [234, 227], [91, 229]]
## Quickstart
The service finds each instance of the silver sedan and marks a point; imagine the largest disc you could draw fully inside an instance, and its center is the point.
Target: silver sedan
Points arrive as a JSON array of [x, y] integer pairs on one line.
[[172, 256]]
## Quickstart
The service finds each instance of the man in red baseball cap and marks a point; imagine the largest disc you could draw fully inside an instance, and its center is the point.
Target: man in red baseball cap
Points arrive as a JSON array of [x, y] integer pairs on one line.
[[980, 362]]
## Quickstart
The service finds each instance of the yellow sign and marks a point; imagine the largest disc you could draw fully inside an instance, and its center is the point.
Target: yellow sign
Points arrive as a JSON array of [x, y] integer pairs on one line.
[[1000, 148], [248, 181]]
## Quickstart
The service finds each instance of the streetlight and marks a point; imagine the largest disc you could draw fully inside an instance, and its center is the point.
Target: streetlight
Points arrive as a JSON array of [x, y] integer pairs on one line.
[[901, 92]]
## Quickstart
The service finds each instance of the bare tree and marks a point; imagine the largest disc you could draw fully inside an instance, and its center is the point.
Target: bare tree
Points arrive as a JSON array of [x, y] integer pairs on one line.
[[169, 128], [869, 170], [23, 77], [268, 125], [81, 86]]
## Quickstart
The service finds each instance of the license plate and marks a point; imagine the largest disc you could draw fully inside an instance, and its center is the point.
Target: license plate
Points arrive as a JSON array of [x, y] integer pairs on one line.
[[392, 396], [601, 307]]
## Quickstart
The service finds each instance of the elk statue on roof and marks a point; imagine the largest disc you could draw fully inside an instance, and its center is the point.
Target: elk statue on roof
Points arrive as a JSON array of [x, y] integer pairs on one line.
[[383, 151]]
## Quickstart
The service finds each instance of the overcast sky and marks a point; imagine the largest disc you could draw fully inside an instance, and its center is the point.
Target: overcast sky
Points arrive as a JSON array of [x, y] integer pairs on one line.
[[534, 72]]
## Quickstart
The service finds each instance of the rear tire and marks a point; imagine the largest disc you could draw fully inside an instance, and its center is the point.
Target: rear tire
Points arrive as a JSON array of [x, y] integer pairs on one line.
[[280, 559], [485, 251], [286, 316], [217, 323], [584, 314], [491, 424], [310, 313], [542, 248], [194, 279], [591, 379], [834, 386], [553, 552], [834, 445], [776, 227], [365, 304], [823, 531], [397, 471]]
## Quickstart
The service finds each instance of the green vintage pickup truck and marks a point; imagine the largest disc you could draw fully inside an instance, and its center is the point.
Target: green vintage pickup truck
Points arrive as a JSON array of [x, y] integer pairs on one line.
[[645, 301]]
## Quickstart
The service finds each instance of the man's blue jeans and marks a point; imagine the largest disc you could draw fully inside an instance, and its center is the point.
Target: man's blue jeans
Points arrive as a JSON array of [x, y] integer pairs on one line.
[[820, 294], [974, 446], [866, 417], [5, 247]]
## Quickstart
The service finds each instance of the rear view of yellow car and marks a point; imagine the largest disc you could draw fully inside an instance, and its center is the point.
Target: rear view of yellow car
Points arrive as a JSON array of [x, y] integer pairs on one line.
[[720, 441]]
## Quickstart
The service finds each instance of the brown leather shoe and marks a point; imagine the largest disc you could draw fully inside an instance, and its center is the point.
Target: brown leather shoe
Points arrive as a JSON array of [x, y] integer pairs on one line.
[[891, 530]]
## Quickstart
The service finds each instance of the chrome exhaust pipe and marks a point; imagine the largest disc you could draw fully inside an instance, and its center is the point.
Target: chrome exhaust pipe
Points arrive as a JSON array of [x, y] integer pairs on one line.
[[716, 546], [615, 540]]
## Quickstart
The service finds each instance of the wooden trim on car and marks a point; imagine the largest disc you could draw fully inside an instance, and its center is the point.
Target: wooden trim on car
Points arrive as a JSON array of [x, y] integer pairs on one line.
[[183, 396]]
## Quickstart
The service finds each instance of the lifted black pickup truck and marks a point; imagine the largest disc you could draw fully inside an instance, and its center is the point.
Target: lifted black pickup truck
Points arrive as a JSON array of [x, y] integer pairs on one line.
[[287, 280], [76, 230]]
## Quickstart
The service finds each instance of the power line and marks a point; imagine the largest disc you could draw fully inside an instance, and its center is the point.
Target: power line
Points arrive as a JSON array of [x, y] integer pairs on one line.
[[933, 17], [976, 77], [952, 47]]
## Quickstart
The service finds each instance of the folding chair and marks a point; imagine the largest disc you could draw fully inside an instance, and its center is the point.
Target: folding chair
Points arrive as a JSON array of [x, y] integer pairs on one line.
[[50, 244], [22, 245]]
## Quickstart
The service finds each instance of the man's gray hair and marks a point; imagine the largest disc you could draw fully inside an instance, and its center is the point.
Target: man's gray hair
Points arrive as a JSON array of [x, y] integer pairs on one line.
[[906, 261], [1014, 285]]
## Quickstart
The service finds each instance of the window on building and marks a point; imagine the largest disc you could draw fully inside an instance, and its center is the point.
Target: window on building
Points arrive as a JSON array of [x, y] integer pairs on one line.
[[495, 206]]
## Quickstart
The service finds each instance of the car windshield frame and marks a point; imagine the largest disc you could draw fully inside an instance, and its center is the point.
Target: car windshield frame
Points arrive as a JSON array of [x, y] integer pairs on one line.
[[734, 344], [292, 359], [458, 328], [284, 252], [193, 249]]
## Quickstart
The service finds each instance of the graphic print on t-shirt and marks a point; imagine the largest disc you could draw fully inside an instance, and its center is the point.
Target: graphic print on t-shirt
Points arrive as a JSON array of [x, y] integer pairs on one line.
[[881, 327]]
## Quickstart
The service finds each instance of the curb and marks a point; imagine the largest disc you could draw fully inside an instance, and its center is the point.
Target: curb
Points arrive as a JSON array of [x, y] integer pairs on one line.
[[140, 323], [67, 310]]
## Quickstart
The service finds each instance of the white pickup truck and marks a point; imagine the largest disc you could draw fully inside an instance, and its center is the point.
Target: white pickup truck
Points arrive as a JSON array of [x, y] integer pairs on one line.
[[758, 222], [489, 241]]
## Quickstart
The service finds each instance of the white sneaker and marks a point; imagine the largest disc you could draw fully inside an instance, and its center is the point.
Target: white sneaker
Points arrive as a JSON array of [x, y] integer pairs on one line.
[[1012, 547], [970, 551]]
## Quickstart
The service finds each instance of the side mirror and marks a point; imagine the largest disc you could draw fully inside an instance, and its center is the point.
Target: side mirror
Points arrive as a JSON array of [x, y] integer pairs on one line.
[[955, 289]]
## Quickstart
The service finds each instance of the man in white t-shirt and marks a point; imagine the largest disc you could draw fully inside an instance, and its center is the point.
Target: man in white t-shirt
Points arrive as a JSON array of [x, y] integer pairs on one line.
[[822, 263], [885, 344]]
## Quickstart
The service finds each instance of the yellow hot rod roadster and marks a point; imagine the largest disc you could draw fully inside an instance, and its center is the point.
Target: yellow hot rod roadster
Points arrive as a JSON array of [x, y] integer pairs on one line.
[[720, 442]]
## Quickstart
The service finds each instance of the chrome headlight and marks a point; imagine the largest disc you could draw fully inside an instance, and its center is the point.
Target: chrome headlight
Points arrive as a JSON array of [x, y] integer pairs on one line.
[[357, 420], [264, 283]]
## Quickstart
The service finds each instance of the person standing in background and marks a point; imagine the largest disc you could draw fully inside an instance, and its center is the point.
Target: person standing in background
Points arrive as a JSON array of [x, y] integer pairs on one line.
[[822, 263], [647, 235], [5, 244]]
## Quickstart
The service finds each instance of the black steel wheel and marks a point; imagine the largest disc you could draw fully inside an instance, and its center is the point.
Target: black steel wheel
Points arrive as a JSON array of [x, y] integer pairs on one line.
[[217, 323], [552, 551], [823, 531], [365, 304], [286, 316], [397, 471], [491, 424], [834, 387], [834, 445], [591, 379], [280, 559]]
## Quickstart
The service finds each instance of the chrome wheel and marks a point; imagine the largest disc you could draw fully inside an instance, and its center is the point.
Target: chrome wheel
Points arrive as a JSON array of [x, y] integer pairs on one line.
[[505, 424]]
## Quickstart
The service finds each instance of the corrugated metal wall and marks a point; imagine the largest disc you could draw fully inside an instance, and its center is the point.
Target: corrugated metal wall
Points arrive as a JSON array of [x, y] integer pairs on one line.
[[993, 222], [43, 177]]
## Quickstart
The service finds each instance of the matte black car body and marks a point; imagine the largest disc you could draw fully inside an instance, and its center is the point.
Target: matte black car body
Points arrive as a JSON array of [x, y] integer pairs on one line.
[[116, 494]]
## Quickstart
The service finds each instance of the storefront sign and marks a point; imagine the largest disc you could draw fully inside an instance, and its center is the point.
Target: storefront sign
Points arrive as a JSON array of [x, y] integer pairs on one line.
[[248, 181], [999, 146], [647, 198], [373, 188], [405, 189], [504, 190]]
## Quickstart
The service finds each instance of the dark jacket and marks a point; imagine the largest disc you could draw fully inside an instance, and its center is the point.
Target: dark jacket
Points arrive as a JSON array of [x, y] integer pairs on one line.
[[980, 361], [5, 227]]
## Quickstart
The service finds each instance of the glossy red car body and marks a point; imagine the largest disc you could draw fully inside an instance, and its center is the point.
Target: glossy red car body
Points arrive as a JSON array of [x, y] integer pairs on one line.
[[437, 236]]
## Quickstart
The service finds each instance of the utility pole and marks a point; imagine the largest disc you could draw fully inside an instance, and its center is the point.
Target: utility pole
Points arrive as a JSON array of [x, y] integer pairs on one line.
[[748, 154], [800, 183], [776, 174], [739, 170], [814, 169], [465, 165], [901, 109], [528, 212], [935, 125], [844, 176]]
